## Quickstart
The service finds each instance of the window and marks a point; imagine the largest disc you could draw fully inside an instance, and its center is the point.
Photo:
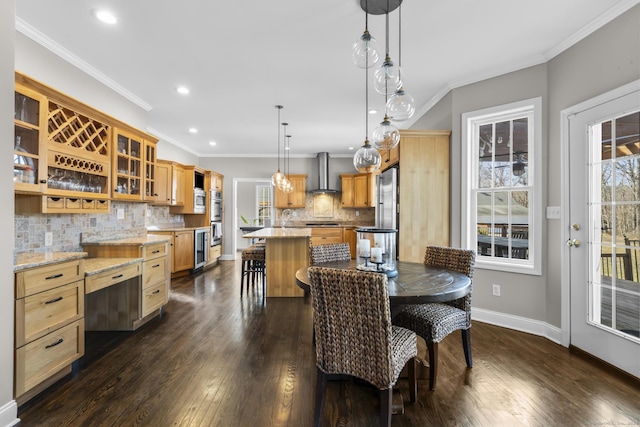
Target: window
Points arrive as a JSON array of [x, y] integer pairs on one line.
[[263, 195], [501, 219]]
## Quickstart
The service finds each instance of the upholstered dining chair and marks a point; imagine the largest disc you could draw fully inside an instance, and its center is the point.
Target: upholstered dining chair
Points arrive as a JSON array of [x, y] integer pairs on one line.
[[354, 335], [330, 252], [434, 321]]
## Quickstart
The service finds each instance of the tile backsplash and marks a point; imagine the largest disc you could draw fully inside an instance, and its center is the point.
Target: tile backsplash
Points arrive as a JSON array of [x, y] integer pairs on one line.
[[328, 207], [29, 230]]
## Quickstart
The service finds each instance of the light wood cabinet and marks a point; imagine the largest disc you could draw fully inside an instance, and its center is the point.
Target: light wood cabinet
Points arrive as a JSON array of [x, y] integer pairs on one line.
[[424, 214], [358, 190], [350, 237], [296, 199], [216, 181], [150, 184], [133, 166], [389, 157], [185, 181], [326, 235], [169, 183], [49, 324], [182, 249], [30, 109]]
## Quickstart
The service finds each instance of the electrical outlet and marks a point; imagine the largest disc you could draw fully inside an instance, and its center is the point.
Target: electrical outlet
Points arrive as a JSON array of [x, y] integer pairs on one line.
[[357, 213], [48, 239], [148, 213], [496, 290], [120, 213]]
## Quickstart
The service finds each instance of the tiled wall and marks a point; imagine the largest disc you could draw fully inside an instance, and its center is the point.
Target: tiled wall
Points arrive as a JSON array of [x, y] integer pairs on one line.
[[67, 228], [328, 208]]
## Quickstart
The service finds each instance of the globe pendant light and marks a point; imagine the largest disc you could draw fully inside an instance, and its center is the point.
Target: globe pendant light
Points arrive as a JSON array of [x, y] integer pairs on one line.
[[387, 79], [278, 177], [289, 185], [365, 52], [386, 136], [401, 105], [285, 181], [367, 159]]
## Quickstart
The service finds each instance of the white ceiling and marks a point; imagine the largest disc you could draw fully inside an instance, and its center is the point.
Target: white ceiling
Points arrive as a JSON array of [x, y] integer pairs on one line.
[[240, 58]]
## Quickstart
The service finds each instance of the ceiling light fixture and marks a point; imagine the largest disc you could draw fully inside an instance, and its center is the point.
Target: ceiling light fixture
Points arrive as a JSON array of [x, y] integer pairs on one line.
[[212, 143], [285, 183], [105, 16], [182, 90], [401, 106], [386, 79], [289, 185], [365, 52], [193, 130], [366, 159], [278, 177]]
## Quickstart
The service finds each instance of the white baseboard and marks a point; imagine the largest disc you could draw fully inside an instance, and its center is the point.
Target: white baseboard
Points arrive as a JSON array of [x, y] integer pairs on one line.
[[518, 323], [227, 258], [9, 414]]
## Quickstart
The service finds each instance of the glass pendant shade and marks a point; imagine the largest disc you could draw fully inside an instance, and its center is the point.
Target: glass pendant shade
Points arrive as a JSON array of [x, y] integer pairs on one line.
[[287, 187], [284, 183], [387, 80], [365, 53], [277, 179], [400, 106], [386, 136], [367, 159]]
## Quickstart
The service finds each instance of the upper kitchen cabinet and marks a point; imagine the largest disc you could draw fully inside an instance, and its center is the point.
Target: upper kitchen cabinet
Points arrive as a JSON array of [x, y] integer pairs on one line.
[[296, 199], [169, 183], [424, 214], [389, 157], [216, 182], [131, 166], [30, 108], [193, 189], [358, 190]]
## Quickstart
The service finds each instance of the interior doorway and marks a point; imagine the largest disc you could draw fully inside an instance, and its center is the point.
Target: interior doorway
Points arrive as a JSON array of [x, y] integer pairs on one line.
[[603, 222], [253, 203]]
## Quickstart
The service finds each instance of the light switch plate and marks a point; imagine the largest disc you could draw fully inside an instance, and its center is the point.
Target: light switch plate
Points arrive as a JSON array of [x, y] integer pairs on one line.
[[553, 212]]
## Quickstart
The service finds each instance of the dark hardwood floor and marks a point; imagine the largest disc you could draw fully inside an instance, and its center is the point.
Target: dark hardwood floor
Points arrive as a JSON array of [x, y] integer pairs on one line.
[[215, 360]]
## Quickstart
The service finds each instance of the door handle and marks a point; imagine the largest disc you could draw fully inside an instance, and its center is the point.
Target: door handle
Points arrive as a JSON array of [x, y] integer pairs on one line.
[[573, 243]]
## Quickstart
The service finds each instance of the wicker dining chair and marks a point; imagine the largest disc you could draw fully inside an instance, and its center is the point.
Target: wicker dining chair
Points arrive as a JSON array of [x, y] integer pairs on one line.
[[434, 321], [354, 335], [330, 252]]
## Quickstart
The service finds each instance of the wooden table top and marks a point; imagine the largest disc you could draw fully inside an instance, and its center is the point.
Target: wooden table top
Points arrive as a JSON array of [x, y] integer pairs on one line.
[[416, 283]]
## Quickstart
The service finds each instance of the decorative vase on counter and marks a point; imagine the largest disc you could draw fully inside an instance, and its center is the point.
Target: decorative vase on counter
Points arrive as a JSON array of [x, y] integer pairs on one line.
[[376, 250]]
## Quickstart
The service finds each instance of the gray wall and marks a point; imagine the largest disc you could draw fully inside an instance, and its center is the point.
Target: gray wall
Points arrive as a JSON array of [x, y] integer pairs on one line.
[[8, 408]]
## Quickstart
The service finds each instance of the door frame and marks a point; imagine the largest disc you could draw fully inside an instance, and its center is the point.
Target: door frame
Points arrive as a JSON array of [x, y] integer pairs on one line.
[[565, 281], [257, 181]]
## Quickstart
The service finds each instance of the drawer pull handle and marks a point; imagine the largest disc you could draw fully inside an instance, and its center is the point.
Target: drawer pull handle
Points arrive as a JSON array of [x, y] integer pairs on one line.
[[60, 340], [54, 300], [156, 251], [55, 276], [118, 276], [157, 265], [157, 291]]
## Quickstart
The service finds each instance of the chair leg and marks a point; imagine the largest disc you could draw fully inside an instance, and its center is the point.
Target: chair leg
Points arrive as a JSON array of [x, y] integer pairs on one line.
[[321, 384], [413, 384], [242, 277], [385, 406], [466, 345], [433, 364]]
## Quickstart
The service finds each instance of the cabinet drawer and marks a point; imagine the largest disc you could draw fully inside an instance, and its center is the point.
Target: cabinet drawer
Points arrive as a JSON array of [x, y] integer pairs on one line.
[[42, 358], [55, 202], [88, 204], [326, 232], [102, 205], [154, 271], [29, 282], [215, 252], [39, 314], [105, 279], [73, 203], [153, 298], [154, 251], [325, 240]]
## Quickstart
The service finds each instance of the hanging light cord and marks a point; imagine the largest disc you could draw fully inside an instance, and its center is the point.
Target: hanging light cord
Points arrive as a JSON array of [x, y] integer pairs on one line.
[[400, 36], [386, 80], [279, 107]]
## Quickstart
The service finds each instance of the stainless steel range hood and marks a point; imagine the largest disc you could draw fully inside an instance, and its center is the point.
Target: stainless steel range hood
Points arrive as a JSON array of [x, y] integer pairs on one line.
[[323, 175]]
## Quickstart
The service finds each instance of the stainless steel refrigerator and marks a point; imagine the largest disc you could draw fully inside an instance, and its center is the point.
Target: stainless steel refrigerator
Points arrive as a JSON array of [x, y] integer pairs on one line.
[[387, 208]]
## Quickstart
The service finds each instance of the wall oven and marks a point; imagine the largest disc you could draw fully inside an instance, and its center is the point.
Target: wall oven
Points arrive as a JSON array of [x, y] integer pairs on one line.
[[199, 201], [216, 206]]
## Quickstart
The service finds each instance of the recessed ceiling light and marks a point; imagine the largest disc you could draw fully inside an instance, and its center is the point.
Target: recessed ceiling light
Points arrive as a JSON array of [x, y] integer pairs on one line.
[[183, 90], [350, 148], [105, 16], [373, 111], [193, 130], [212, 143]]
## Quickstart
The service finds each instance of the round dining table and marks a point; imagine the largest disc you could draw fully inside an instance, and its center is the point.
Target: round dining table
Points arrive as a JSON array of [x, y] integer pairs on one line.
[[416, 283]]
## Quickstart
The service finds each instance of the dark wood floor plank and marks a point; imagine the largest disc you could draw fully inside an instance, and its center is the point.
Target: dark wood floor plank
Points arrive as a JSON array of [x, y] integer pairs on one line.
[[214, 359]]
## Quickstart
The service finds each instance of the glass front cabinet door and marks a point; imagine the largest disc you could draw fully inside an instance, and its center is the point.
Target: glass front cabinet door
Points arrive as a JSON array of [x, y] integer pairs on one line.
[[29, 114], [127, 166]]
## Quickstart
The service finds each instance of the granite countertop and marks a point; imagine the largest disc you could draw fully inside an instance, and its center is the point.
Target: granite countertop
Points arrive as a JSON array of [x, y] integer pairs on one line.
[[99, 265], [154, 229], [144, 240], [28, 260], [327, 224], [280, 233]]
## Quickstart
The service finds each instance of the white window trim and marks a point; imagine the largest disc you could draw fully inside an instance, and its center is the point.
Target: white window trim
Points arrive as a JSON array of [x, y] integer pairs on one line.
[[468, 209]]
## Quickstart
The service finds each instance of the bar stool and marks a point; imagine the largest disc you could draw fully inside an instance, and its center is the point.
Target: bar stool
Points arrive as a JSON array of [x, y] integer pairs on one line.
[[253, 265]]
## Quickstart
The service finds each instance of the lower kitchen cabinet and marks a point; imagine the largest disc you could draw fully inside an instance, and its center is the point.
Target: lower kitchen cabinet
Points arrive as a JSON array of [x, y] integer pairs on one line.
[[49, 325], [182, 247], [350, 237], [326, 235]]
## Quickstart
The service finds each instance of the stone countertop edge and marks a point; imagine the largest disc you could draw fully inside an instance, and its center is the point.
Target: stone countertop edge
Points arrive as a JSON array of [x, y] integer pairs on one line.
[[94, 266], [27, 260], [172, 229], [279, 233], [145, 240]]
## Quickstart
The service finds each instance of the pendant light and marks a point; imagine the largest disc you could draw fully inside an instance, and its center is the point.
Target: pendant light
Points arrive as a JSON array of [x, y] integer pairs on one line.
[[387, 77], [367, 159], [364, 52], [401, 106], [278, 177], [289, 186], [285, 181]]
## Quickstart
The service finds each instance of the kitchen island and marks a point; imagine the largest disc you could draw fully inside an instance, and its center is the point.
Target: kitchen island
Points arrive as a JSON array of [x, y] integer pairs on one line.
[[287, 250]]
